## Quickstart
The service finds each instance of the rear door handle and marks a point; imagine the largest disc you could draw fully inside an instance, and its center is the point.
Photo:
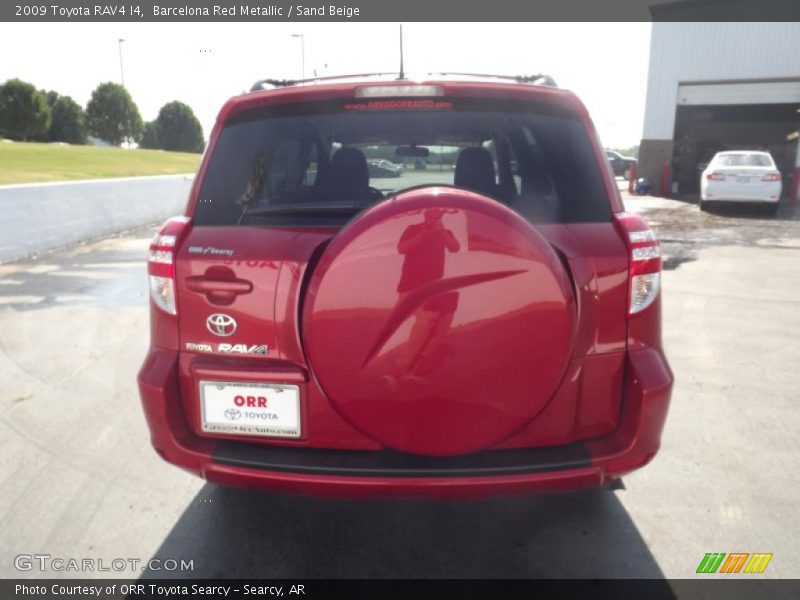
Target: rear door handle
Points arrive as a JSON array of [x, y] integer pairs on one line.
[[203, 285], [218, 291]]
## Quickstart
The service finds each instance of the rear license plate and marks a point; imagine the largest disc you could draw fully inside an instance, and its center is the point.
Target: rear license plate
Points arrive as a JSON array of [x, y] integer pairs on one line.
[[260, 409], [743, 179]]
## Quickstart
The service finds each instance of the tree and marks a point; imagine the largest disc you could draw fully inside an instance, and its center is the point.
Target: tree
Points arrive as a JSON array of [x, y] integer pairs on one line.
[[178, 129], [112, 114], [24, 114], [69, 122], [150, 136], [51, 97]]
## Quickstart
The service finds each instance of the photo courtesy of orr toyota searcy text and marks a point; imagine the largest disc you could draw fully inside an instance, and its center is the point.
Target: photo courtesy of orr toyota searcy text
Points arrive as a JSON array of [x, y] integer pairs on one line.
[[156, 590]]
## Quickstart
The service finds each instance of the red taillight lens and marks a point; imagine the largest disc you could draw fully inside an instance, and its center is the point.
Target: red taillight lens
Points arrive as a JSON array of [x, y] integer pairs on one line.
[[715, 177], [161, 264], [771, 177], [645, 262]]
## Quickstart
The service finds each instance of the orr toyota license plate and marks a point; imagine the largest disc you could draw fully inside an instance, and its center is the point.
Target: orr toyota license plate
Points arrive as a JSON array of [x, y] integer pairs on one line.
[[259, 409]]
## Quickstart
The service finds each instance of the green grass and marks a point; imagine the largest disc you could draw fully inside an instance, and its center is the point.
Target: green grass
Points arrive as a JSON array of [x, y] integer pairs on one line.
[[31, 163]]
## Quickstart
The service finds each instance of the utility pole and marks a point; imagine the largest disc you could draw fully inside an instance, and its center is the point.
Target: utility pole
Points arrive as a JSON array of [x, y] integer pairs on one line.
[[402, 71], [122, 77], [302, 52], [121, 68]]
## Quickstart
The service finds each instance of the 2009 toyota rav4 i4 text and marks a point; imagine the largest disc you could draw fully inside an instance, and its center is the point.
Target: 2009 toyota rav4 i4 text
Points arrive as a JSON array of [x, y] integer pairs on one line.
[[486, 322]]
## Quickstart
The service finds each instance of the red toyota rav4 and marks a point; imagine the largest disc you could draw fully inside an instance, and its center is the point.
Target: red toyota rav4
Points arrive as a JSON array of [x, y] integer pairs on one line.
[[483, 319]]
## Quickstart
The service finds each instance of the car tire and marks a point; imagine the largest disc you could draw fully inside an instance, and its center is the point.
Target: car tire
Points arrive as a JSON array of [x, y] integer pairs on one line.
[[703, 205]]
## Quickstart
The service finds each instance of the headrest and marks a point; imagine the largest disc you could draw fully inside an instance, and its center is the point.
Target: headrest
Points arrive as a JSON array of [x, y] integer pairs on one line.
[[475, 170], [348, 167]]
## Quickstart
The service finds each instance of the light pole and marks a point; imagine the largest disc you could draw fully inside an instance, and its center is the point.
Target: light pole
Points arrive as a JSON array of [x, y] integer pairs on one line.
[[122, 77], [121, 69], [302, 51]]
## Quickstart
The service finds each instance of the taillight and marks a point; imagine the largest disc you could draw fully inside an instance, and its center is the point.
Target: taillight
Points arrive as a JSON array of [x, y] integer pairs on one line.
[[645, 262], [715, 177], [771, 177], [161, 264]]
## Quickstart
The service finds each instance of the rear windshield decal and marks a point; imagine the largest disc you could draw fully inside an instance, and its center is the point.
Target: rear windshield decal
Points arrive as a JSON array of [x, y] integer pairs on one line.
[[408, 104]]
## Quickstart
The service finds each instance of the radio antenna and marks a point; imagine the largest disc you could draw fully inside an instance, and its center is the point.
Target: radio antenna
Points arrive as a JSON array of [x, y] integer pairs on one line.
[[402, 73]]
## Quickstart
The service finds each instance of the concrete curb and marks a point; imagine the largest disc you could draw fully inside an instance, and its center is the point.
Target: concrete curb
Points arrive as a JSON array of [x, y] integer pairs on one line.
[[43, 216]]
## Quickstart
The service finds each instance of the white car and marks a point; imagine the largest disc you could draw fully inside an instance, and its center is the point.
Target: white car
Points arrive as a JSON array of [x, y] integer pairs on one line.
[[741, 176]]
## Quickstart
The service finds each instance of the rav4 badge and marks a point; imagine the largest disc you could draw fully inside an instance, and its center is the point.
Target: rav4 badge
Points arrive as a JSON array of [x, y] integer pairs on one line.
[[243, 349], [258, 349]]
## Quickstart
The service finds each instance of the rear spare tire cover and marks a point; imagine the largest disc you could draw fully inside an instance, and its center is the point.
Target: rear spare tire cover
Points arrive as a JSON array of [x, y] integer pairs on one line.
[[438, 322]]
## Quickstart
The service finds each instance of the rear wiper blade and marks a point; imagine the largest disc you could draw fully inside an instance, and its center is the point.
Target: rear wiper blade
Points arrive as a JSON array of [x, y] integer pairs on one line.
[[308, 208]]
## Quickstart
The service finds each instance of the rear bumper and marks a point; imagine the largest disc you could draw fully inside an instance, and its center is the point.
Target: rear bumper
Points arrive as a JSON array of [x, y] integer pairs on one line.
[[764, 193], [364, 473], [744, 200]]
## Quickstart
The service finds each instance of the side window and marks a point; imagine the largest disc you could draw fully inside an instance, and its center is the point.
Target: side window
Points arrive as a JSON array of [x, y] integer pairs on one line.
[[536, 176], [537, 200], [491, 148], [282, 168], [506, 168], [291, 163], [513, 160], [312, 168]]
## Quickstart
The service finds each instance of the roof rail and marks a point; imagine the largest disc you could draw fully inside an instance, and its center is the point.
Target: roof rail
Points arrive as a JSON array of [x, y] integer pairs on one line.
[[540, 79], [259, 85]]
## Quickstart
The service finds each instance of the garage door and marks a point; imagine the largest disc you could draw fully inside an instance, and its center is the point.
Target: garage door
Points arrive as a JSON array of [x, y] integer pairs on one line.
[[761, 92]]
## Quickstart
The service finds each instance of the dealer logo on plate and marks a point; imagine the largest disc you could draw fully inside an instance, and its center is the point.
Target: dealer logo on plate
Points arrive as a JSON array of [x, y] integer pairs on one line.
[[233, 414]]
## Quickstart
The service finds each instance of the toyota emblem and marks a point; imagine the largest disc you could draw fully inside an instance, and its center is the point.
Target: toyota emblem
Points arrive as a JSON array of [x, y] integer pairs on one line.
[[232, 414], [220, 324]]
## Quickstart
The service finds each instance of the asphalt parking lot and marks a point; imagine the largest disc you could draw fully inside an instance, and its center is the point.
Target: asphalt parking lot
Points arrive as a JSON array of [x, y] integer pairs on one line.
[[81, 480]]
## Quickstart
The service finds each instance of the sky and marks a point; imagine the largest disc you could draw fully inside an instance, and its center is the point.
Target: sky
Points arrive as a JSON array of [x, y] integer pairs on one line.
[[203, 64]]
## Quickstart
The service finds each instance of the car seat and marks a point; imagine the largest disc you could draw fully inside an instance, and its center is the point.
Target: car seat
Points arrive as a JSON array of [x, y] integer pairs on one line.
[[346, 177], [475, 171]]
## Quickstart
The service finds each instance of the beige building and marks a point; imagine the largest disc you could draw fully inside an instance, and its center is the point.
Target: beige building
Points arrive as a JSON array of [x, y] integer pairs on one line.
[[720, 86]]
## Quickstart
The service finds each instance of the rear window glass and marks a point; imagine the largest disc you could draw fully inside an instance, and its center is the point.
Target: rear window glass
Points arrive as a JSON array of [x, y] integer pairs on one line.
[[743, 160], [321, 164]]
